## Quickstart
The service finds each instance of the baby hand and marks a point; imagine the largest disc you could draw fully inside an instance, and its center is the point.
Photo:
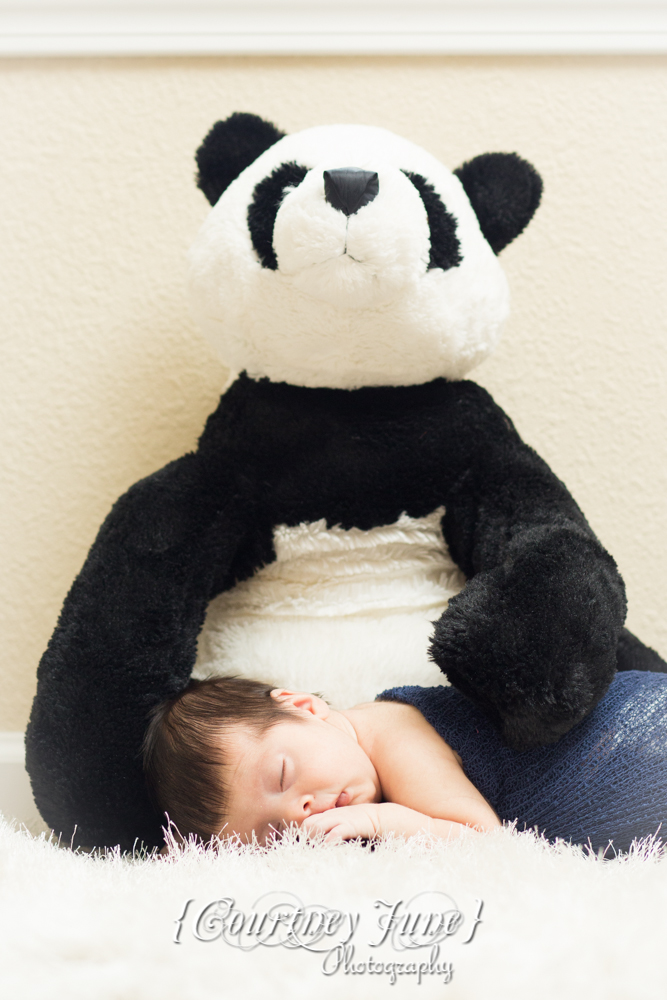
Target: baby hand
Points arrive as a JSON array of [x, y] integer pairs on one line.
[[344, 823], [374, 819]]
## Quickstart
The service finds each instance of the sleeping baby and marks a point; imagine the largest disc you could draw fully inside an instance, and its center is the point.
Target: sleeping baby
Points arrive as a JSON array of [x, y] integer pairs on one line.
[[232, 757]]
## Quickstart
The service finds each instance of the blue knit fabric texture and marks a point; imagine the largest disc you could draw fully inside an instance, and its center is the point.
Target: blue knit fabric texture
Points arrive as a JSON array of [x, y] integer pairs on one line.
[[604, 781]]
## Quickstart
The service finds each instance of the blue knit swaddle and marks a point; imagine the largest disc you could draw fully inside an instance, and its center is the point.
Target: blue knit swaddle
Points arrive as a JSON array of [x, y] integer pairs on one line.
[[605, 780]]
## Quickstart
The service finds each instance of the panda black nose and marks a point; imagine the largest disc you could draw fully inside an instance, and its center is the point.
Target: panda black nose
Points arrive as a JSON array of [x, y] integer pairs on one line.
[[350, 188]]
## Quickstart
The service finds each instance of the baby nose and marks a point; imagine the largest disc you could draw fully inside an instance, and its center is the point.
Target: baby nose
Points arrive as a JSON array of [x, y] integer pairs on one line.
[[310, 806]]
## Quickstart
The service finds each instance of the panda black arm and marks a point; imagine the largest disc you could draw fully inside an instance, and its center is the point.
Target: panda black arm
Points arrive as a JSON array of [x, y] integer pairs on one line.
[[125, 640], [533, 636], [632, 654]]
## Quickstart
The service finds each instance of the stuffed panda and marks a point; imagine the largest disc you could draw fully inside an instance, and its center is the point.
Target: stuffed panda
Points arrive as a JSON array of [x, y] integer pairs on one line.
[[356, 515]]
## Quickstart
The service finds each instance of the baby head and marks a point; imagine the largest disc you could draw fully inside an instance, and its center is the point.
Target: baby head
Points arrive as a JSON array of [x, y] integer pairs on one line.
[[232, 756]]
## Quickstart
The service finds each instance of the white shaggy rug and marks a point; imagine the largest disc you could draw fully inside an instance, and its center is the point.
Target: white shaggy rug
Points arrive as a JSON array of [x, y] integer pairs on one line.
[[556, 922]]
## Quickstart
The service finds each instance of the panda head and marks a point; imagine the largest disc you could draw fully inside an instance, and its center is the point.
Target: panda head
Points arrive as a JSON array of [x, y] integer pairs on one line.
[[346, 256]]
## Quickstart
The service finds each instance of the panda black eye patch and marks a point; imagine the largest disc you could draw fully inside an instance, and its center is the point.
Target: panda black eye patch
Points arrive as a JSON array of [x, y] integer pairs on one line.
[[263, 209], [445, 247]]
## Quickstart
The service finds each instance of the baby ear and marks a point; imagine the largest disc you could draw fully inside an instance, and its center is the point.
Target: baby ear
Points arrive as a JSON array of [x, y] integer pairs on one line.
[[302, 700], [504, 191], [230, 147]]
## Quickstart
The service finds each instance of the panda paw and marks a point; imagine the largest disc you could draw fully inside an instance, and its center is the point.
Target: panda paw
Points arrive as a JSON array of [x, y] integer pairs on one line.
[[535, 659]]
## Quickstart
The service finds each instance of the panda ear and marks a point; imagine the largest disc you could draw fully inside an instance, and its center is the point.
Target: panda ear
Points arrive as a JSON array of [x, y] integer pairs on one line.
[[504, 191], [229, 148]]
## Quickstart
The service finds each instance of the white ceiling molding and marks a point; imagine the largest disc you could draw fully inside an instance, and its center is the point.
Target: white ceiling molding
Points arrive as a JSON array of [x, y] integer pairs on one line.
[[330, 27]]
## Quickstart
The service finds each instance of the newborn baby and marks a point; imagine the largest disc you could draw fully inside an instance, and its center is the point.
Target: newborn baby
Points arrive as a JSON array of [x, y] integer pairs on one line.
[[235, 757]]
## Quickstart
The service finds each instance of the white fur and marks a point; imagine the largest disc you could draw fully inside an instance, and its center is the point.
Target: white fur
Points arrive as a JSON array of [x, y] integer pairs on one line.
[[365, 260], [353, 302], [345, 613], [556, 923]]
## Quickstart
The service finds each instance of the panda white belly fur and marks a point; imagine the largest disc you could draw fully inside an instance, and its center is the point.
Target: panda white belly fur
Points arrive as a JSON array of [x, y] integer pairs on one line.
[[345, 613]]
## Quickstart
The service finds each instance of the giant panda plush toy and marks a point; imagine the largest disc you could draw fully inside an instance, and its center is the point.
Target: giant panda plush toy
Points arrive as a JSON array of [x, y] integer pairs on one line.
[[356, 516]]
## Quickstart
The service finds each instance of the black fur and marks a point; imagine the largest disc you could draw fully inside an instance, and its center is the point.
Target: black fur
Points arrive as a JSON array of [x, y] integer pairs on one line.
[[504, 191], [532, 638], [445, 247], [230, 147], [634, 655], [264, 206]]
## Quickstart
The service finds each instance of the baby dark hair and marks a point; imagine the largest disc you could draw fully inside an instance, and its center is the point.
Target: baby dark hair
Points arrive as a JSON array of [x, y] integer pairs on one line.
[[186, 750]]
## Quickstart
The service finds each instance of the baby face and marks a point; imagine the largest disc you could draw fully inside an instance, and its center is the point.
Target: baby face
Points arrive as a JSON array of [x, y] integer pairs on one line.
[[301, 766]]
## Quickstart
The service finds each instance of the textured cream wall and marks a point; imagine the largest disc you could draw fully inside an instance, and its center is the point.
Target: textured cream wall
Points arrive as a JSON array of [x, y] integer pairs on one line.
[[104, 378]]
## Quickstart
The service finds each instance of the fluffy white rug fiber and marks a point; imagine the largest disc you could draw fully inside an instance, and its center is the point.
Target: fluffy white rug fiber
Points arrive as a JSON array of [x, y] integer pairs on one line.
[[556, 922]]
